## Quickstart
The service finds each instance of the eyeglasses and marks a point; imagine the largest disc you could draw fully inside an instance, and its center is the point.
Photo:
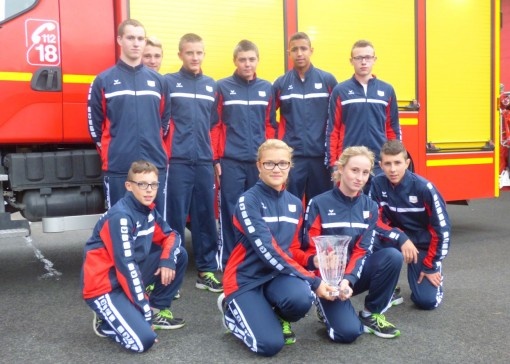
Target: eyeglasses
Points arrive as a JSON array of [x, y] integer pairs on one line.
[[145, 185], [363, 58], [283, 165]]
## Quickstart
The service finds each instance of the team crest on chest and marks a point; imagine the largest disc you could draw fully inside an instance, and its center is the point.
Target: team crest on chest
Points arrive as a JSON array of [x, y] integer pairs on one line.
[[318, 86], [262, 93], [413, 199], [380, 93], [292, 208]]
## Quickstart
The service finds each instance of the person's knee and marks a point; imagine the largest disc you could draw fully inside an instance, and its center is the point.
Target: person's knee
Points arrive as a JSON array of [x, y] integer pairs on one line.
[[345, 335], [426, 302], [270, 347], [295, 307], [144, 341]]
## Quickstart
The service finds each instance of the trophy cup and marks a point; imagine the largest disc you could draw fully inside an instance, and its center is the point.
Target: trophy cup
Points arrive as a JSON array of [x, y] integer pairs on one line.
[[332, 251]]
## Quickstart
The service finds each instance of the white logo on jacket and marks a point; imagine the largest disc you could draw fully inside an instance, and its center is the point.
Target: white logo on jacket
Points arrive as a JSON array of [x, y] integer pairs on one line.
[[233, 92], [318, 86], [179, 85], [413, 199], [331, 212], [292, 208], [380, 93], [116, 82], [151, 83], [262, 93], [209, 88], [366, 214]]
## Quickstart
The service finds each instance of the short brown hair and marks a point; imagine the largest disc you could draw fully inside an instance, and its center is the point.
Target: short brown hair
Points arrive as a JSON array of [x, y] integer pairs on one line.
[[189, 38], [141, 166], [133, 22], [362, 43], [394, 147], [245, 46]]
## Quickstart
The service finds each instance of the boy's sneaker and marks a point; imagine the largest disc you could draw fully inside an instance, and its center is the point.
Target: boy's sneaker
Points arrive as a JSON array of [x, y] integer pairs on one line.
[[320, 314], [96, 325], [222, 306], [165, 320], [376, 324], [209, 282], [288, 335], [396, 297]]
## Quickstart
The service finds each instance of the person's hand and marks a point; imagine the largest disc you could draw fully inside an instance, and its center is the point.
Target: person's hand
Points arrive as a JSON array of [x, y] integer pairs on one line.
[[217, 173], [167, 275], [434, 278], [345, 290], [409, 252], [323, 291]]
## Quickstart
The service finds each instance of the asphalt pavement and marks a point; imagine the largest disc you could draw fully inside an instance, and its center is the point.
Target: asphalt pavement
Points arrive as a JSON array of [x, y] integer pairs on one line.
[[44, 320]]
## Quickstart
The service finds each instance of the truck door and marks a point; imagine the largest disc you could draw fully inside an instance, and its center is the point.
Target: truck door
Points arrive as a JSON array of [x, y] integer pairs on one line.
[[30, 72]]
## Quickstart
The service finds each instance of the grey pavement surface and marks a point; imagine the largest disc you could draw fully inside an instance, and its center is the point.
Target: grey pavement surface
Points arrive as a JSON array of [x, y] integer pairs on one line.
[[44, 320]]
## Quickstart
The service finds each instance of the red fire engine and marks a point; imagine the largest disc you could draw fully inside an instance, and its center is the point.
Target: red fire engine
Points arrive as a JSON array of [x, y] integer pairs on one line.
[[52, 50]]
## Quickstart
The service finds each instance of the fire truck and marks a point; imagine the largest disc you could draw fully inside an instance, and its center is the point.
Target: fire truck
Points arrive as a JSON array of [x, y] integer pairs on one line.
[[442, 57]]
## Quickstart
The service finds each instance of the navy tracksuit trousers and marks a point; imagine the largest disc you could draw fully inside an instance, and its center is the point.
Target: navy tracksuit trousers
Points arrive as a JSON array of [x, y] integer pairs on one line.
[[123, 322], [190, 190], [309, 177], [379, 277], [236, 178], [253, 315]]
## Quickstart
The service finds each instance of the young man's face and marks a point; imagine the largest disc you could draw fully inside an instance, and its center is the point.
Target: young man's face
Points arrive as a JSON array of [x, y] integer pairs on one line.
[[362, 59], [192, 55], [132, 43], [152, 57], [300, 53], [394, 167], [246, 64], [144, 196]]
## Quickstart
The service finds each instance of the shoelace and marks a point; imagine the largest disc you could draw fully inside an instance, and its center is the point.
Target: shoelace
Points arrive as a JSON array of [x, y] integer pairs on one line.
[[286, 327], [210, 275], [166, 313], [150, 288], [381, 320]]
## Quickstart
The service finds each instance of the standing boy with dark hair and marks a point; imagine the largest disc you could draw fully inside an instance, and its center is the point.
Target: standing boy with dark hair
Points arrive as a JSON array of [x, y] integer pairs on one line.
[[128, 115], [302, 95]]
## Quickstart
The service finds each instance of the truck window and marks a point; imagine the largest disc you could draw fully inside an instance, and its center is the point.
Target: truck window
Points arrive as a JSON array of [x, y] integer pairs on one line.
[[12, 8]]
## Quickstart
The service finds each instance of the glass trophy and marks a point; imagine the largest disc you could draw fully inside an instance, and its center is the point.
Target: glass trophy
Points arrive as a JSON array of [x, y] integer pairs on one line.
[[332, 251]]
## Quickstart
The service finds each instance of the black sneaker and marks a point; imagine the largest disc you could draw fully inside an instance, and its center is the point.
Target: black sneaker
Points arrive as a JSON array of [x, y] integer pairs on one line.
[[396, 298], [209, 282], [165, 320], [376, 324], [320, 314], [288, 335], [96, 325], [222, 306]]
